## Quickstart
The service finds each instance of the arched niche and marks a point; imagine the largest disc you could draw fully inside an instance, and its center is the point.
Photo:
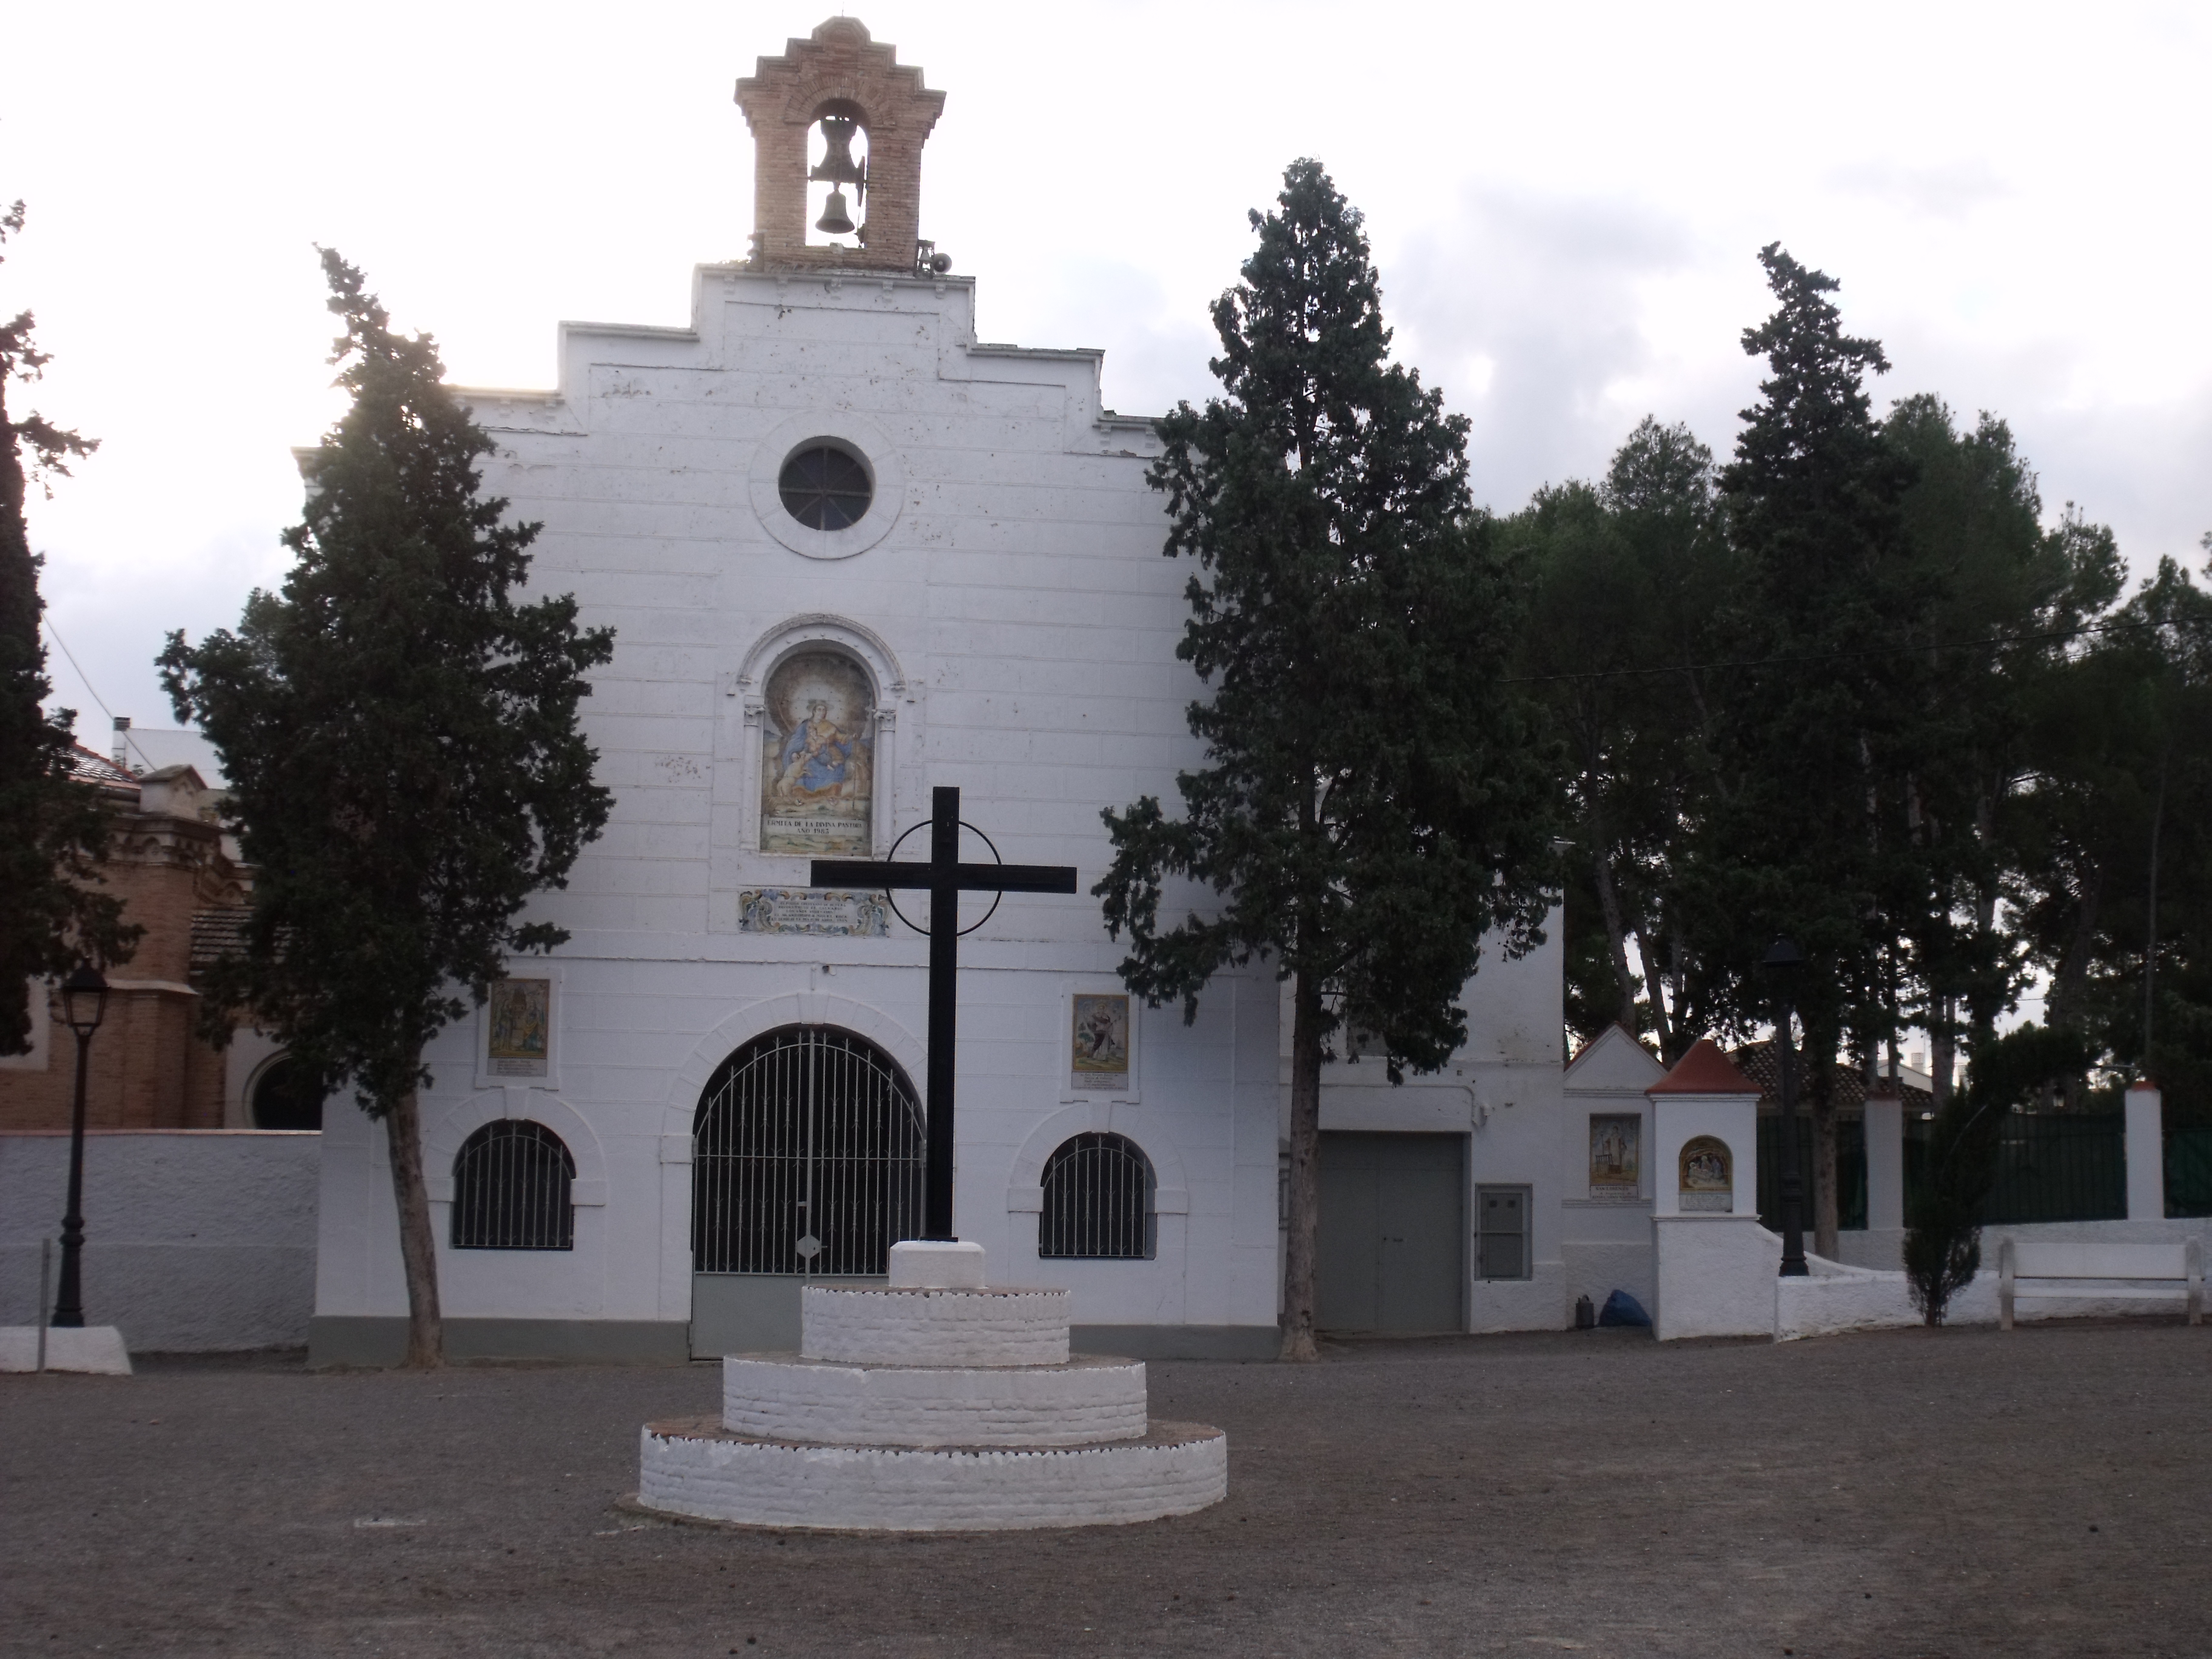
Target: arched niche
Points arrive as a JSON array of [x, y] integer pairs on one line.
[[809, 774]]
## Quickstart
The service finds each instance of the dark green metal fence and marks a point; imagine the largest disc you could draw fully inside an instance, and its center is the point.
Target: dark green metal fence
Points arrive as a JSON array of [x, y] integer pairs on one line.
[[1850, 1171], [2050, 1167], [2189, 1171], [2069, 1166]]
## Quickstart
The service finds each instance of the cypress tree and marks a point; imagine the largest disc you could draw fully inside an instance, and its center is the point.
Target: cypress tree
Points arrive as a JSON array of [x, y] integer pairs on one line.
[[54, 829], [400, 737], [1822, 736], [1373, 798]]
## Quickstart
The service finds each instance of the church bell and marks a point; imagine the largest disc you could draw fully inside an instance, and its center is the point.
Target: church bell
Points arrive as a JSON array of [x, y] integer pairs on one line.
[[838, 168]]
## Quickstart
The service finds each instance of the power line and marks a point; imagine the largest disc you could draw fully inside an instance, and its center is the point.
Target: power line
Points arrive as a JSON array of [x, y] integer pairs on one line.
[[129, 737], [1992, 642]]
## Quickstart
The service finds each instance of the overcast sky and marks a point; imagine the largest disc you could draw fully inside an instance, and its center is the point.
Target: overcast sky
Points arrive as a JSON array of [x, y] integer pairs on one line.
[[1565, 203]]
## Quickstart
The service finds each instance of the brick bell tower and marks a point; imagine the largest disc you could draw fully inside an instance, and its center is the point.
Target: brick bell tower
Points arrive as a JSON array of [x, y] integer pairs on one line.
[[839, 78]]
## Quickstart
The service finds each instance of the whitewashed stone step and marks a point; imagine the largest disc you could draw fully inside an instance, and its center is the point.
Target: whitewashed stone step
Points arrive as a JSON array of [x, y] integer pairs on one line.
[[1085, 1401], [694, 1467], [889, 1325]]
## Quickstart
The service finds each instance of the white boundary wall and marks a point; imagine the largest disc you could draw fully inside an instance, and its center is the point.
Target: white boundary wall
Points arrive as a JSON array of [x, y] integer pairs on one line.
[[195, 1239], [1836, 1298]]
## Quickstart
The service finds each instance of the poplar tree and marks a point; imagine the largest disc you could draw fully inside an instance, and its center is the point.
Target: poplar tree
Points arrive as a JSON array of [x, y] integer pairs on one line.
[[400, 737], [1373, 799], [53, 828]]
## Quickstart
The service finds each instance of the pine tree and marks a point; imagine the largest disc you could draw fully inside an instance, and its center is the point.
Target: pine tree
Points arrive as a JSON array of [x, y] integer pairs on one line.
[[1628, 582], [54, 829], [1373, 798], [400, 739]]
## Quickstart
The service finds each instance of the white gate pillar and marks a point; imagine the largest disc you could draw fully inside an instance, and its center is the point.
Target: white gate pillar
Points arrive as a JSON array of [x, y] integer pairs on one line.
[[2146, 1153], [1885, 1162]]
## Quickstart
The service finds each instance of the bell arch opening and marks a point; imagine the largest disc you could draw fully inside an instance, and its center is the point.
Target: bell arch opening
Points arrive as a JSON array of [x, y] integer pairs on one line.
[[837, 176], [806, 1158]]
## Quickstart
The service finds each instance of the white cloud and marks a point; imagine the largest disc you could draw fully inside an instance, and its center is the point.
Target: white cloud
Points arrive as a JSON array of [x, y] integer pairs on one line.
[[1565, 202]]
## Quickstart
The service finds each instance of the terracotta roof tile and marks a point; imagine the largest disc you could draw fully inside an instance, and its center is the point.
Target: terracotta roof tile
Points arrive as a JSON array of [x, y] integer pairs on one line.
[[1704, 1071]]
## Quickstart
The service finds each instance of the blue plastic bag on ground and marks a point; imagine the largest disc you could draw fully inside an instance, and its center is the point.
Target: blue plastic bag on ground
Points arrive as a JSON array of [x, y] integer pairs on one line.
[[1622, 1309]]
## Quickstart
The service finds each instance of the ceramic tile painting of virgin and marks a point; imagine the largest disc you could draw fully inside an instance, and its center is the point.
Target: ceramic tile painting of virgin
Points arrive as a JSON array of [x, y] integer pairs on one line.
[[817, 757]]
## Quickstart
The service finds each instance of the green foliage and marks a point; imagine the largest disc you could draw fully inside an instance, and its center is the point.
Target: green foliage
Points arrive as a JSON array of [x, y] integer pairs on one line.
[[2116, 849], [1627, 583], [1821, 736], [54, 829], [1373, 798], [1942, 1236], [399, 734]]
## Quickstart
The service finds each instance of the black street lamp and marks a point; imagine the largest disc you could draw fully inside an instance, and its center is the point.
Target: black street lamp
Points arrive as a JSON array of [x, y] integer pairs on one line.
[[84, 1004], [1782, 962]]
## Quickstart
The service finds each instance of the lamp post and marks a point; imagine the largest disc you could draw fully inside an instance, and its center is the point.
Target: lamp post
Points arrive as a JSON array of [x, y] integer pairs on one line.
[[1782, 962], [84, 1004]]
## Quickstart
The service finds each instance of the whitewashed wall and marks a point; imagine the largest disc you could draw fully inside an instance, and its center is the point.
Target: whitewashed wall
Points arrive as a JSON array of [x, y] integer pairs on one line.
[[1502, 1091], [1608, 1242], [1010, 596], [195, 1239]]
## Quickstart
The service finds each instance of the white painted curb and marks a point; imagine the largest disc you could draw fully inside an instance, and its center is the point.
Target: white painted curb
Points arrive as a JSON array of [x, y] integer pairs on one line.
[[694, 1468]]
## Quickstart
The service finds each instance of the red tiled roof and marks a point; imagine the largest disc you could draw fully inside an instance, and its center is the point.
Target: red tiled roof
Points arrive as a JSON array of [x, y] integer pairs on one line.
[[1757, 1061], [1704, 1071]]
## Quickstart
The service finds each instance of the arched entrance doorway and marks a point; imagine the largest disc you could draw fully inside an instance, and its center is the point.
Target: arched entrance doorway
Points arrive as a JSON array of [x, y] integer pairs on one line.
[[806, 1163]]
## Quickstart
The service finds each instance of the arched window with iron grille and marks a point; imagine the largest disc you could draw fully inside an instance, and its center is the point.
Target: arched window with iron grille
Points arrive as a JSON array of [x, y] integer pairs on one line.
[[1097, 1200], [511, 1182], [806, 1158]]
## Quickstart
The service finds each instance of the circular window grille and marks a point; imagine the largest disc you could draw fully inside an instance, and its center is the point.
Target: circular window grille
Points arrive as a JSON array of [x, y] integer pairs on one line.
[[825, 488]]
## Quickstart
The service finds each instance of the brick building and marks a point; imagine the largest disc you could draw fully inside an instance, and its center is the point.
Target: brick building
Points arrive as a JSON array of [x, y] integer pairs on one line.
[[168, 862]]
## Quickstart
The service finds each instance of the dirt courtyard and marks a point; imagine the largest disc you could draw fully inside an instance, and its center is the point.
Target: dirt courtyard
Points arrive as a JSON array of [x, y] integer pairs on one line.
[[1906, 1493]]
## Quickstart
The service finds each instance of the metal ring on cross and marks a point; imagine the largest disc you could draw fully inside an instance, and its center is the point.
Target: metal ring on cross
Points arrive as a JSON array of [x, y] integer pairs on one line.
[[891, 893]]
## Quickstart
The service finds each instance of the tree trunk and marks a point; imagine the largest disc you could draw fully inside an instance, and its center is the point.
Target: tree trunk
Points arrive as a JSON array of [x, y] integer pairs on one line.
[[1656, 995], [1942, 1051], [1820, 1096], [1616, 934], [2069, 986], [1304, 1195], [426, 1337]]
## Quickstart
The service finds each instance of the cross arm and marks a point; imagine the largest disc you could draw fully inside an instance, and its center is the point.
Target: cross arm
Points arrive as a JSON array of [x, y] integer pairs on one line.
[[970, 877]]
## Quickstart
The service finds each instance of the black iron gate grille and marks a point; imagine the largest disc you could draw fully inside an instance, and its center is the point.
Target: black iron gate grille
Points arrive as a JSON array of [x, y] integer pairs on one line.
[[511, 1189], [1097, 1200], [806, 1158]]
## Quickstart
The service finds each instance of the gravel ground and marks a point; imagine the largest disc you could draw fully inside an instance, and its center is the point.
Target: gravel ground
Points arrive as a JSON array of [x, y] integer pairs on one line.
[[1905, 1493]]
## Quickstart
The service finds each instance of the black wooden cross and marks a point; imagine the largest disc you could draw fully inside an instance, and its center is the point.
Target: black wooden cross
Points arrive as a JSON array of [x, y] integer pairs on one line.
[[947, 878]]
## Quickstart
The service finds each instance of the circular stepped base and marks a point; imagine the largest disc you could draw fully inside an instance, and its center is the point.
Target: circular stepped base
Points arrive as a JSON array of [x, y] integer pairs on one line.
[[898, 1324], [815, 1402], [694, 1467]]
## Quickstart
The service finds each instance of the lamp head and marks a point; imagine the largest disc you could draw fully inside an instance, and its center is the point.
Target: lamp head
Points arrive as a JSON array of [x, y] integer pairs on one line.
[[1782, 959], [84, 999]]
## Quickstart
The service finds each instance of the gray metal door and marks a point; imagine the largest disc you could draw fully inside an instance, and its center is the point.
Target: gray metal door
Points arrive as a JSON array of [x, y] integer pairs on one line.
[[806, 1163], [1392, 1252]]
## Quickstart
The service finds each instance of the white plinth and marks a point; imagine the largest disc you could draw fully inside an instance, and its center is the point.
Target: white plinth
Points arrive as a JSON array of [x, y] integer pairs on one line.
[[937, 1265], [932, 1404], [1083, 1402], [698, 1468], [877, 1325], [95, 1348]]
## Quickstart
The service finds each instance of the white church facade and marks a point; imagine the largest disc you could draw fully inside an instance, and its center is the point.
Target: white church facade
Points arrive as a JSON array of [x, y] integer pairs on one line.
[[851, 554]]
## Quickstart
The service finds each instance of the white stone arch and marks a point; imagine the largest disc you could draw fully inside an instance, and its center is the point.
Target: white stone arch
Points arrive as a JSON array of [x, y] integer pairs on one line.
[[757, 1020], [442, 1140], [1150, 1128], [749, 685]]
